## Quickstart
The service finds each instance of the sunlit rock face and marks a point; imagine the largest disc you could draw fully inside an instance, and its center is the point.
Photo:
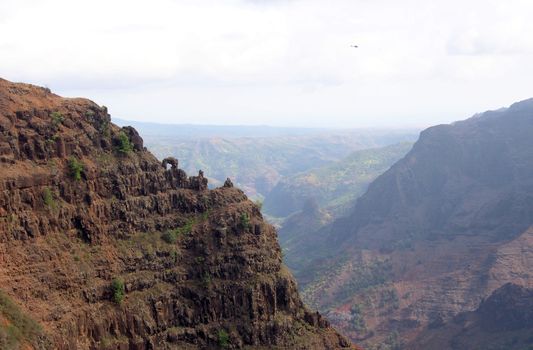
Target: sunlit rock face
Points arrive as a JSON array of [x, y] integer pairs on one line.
[[102, 246]]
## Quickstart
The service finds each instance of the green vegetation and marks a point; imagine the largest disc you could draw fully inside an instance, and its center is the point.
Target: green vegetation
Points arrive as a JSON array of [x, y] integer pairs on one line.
[[118, 289], [369, 275], [48, 198], [366, 276], [223, 339], [52, 139], [172, 236], [75, 168], [335, 186], [124, 145], [16, 328], [205, 215], [57, 119], [245, 221]]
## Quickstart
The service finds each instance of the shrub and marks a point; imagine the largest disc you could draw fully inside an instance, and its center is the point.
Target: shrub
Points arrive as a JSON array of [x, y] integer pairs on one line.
[[245, 221], [117, 286], [105, 130], [57, 118], [75, 168], [223, 339], [48, 198], [170, 236], [124, 144]]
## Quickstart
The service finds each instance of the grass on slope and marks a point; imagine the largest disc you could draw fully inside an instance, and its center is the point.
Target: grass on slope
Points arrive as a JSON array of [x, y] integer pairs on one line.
[[16, 328]]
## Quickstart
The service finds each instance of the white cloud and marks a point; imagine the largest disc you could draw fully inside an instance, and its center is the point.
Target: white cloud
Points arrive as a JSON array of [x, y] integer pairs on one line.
[[275, 62]]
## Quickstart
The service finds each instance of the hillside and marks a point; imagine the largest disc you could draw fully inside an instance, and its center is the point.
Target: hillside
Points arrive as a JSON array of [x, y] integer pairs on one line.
[[503, 321], [257, 158], [434, 235], [102, 246], [334, 186]]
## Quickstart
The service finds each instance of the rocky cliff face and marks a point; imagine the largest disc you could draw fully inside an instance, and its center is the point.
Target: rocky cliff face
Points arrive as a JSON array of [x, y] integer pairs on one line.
[[104, 247], [503, 321], [434, 235]]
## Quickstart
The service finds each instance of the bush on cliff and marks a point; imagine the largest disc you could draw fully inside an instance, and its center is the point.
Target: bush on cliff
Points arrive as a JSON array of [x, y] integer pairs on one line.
[[75, 168], [117, 286], [57, 119], [124, 145], [223, 339], [245, 221], [170, 236]]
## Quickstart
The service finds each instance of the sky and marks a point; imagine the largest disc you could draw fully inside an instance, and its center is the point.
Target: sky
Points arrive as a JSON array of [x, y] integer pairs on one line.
[[275, 62]]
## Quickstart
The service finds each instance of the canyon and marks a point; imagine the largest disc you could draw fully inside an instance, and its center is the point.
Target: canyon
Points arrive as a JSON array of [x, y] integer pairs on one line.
[[432, 237]]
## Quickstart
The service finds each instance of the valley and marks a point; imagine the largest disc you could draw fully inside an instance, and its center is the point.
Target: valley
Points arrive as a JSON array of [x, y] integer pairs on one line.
[[394, 243], [432, 237]]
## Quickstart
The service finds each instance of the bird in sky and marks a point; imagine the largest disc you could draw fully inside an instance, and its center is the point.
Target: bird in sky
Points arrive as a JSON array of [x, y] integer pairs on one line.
[[354, 46]]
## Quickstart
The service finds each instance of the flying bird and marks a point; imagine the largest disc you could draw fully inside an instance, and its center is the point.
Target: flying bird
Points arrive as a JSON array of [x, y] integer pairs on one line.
[[355, 46]]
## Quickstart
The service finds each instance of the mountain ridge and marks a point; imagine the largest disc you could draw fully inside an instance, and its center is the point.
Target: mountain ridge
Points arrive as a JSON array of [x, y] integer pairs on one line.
[[434, 235], [105, 247]]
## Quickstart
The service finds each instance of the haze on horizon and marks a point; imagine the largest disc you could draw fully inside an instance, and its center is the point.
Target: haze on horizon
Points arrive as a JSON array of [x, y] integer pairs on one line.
[[275, 62]]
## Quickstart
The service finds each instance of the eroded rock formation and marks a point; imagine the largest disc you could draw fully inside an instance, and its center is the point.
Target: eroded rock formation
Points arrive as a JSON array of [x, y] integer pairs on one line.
[[107, 249]]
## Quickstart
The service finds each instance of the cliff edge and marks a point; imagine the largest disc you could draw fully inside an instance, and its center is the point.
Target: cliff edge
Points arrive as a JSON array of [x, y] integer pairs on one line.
[[102, 246]]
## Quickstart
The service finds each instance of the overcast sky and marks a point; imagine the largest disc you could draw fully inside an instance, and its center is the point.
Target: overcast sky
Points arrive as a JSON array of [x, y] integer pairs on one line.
[[275, 62]]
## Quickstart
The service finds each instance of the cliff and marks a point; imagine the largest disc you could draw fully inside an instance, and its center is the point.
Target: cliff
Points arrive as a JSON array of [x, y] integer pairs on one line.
[[104, 247], [433, 236]]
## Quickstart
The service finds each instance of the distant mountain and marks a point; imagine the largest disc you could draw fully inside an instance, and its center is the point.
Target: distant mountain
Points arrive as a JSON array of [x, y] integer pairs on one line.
[[334, 186], [195, 131], [434, 235], [256, 158]]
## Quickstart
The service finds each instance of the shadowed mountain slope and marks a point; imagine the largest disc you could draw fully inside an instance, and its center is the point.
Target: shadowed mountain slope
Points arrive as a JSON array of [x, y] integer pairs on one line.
[[434, 235], [503, 321]]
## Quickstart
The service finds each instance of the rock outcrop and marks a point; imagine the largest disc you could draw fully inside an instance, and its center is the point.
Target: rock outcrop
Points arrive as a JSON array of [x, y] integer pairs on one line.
[[106, 248], [442, 229]]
